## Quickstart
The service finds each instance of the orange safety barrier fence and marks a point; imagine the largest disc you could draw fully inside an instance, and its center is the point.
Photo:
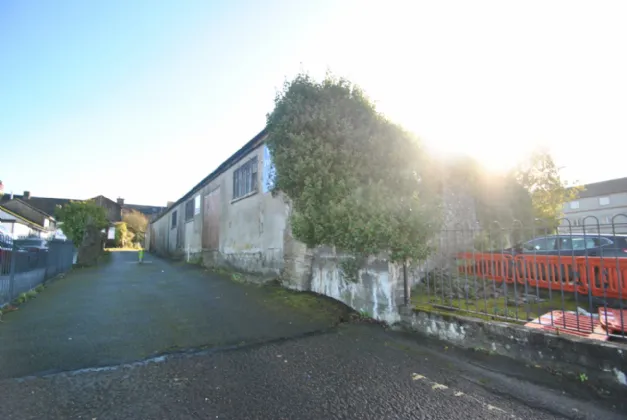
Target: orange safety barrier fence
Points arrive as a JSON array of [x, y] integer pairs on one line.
[[553, 272], [607, 277], [497, 267]]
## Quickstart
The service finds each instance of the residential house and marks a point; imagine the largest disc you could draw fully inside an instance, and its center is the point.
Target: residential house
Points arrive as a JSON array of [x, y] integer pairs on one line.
[[24, 219], [230, 217], [39, 209], [20, 227], [600, 207]]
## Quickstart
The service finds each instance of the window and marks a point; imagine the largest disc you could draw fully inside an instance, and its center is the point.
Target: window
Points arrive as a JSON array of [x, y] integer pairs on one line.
[[604, 201], [585, 242], [245, 179], [197, 205], [189, 210], [574, 205], [540, 244], [174, 214]]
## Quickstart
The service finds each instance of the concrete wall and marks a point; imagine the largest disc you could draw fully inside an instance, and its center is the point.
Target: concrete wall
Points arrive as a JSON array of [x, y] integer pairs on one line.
[[605, 364], [379, 289], [251, 228], [376, 291]]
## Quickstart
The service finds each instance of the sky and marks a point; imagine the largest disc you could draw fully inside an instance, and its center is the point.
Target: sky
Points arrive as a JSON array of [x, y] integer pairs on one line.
[[142, 99]]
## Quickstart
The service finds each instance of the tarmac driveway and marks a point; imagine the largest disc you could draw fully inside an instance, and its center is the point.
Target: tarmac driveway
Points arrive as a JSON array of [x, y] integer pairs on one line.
[[121, 312]]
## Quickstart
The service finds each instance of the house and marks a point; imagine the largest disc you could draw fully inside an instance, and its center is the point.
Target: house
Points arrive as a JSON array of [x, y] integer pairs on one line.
[[230, 217], [117, 209], [21, 227], [40, 211], [600, 208]]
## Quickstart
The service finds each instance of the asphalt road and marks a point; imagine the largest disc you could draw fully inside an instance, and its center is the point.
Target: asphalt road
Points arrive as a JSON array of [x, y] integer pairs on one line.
[[121, 311], [295, 362]]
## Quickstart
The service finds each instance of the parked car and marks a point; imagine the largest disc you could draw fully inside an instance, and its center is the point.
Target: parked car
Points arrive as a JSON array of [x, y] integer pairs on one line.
[[32, 244], [578, 245]]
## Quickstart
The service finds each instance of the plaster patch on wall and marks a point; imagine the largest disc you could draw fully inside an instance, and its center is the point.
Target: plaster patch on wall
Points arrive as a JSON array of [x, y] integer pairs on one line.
[[373, 293]]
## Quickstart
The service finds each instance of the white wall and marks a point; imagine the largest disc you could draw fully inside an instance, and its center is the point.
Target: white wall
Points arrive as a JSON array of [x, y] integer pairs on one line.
[[376, 291], [18, 229]]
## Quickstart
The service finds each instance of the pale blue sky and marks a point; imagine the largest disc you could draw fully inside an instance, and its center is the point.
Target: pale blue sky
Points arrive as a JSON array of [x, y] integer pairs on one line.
[[142, 99]]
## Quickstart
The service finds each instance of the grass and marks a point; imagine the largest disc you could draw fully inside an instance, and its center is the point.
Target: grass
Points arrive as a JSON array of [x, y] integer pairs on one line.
[[496, 308], [231, 274]]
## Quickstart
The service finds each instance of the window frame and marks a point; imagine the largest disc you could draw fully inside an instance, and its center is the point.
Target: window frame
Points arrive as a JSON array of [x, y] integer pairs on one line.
[[607, 199], [246, 179], [189, 210], [574, 205], [197, 205], [173, 219]]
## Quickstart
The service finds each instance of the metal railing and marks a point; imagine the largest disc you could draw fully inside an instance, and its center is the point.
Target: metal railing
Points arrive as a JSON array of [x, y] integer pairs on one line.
[[23, 270], [556, 278]]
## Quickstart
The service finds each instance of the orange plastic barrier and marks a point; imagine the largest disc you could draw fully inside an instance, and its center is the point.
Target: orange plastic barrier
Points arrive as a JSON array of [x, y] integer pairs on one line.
[[550, 272], [607, 277], [497, 267], [604, 277]]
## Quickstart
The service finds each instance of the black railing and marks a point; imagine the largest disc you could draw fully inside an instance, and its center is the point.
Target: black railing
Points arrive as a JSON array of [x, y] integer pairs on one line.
[[557, 278], [23, 269]]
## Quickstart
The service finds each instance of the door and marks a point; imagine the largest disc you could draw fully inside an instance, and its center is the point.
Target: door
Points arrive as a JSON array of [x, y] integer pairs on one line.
[[211, 221]]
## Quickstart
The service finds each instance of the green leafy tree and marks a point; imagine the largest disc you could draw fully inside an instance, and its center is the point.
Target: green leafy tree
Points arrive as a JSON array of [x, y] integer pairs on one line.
[[513, 206], [540, 177], [137, 223], [123, 237], [356, 181], [75, 215]]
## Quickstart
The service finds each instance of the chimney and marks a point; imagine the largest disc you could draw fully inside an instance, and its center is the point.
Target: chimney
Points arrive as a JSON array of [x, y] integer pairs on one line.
[[170, 203], [26, 195], [120, 201], [1, 188]]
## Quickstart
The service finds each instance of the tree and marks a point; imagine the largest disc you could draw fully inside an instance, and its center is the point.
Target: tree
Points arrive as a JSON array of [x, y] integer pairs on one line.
[[137, 223], [540, 177], [355, 180], [123, 237], [518, 204], [75, 216]]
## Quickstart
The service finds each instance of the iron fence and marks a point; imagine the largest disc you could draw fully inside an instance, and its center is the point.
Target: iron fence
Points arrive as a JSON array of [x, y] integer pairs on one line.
[[562, 278], [23, 270]]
